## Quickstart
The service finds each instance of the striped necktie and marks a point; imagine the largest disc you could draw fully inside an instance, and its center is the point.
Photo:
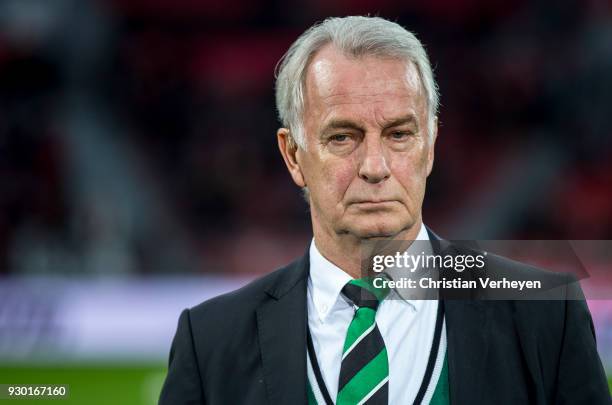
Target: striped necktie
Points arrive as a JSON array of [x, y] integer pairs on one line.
[[364, 371]]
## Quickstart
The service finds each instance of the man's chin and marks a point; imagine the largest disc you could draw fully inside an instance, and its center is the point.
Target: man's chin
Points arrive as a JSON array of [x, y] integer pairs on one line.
[[377, 235], [377, 226], [377, 232]]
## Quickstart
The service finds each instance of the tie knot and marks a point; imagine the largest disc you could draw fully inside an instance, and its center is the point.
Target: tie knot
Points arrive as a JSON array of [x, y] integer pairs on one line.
[[364, 292]]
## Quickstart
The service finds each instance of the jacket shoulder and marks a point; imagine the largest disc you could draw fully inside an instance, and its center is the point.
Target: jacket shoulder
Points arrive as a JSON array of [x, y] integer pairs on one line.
[[552, 285], [503, 266], [243, 301]]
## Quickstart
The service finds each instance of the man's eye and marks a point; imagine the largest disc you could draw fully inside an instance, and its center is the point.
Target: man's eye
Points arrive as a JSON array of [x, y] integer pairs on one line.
[[399, 135], [339, 138]]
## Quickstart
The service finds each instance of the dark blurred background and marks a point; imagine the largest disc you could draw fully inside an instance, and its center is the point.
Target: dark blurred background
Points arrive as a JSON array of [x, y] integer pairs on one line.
[[137, 141], [138, 136]]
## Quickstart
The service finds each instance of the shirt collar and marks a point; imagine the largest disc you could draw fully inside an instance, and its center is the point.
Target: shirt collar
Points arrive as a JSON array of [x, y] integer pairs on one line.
[[414, 249], [326, 281]]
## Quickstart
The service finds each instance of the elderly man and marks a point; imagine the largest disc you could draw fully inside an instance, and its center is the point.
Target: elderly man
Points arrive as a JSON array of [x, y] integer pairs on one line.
[[358, 103]]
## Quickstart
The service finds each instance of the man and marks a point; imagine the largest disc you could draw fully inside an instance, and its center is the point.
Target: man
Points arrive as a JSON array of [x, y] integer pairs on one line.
[[358, 104]]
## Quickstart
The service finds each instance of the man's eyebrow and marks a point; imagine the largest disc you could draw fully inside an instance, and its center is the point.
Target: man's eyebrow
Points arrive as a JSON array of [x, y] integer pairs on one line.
[[348, 124], [407, 119], [342, 124]]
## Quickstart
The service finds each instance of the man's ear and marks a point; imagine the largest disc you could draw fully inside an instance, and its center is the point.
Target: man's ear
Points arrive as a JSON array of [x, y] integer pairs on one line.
[[288, 148], [432, 147]]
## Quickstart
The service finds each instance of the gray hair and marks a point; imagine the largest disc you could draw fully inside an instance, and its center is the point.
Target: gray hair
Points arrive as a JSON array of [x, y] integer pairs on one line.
[[354, 36]]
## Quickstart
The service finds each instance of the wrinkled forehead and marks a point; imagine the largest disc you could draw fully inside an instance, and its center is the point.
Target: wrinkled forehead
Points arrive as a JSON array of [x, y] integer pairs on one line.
[[332, 74]]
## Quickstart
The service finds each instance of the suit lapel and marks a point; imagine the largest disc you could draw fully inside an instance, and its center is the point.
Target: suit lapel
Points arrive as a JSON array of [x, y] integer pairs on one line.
[[468, 324], [281, 322], [467, 327]]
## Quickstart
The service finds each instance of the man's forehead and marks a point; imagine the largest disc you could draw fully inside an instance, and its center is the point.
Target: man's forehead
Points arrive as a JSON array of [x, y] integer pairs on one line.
[[333, 77]]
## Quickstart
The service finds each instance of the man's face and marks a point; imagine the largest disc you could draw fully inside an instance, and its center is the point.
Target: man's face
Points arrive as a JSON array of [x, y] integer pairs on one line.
[[368, 152]]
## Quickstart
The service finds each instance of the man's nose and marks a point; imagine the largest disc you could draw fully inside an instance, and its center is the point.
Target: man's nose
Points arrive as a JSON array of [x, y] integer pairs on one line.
[[374, 168]]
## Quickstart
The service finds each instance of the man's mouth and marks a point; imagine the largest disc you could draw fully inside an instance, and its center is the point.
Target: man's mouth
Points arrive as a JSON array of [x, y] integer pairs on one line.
[[372, 203]]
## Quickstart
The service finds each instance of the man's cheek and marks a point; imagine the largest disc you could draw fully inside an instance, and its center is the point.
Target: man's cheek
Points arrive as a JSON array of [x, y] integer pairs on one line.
[[341, 177], [415, 163], [338, 168]]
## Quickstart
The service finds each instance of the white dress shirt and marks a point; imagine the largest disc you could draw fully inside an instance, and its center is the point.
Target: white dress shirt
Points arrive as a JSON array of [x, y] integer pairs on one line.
[[407, 327]]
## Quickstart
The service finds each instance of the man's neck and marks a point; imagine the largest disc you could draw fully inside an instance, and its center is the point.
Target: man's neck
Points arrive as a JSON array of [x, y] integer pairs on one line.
[[345, 250]]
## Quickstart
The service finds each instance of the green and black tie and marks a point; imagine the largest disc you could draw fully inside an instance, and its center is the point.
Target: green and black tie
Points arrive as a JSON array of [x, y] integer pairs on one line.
[[364, 371]]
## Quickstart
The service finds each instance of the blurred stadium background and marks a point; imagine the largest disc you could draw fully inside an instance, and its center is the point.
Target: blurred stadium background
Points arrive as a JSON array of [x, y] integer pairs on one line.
[[139, 172]]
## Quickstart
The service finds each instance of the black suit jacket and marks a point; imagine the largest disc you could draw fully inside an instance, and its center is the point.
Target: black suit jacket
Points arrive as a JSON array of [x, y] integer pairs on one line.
[[249, 347]]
